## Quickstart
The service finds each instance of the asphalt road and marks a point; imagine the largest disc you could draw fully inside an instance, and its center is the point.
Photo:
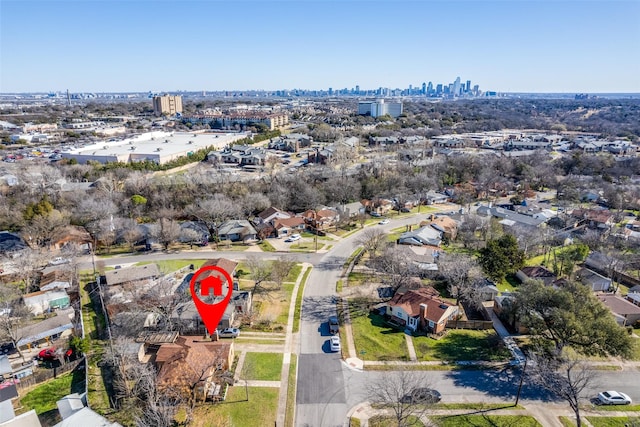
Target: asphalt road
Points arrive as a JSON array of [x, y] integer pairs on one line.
[[327, 388]]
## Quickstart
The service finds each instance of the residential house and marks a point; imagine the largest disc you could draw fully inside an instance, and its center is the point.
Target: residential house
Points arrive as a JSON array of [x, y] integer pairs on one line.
[[624, 311], [10, 243], [8, 417], [194, 232], [597, 282], [423, 257], [510, 218], [444, 224], [53, 328], [321, 219], [433, 198], [378, 206], [45, 301], [288, 226], [270, 214], [536, 272], [384, 140], [426, 235], [351, 210], [633, 298], [595, 218], [421, 309], [132, 275], [237, 231], [190, 365], [527, 144], [55, 277], [74, 412], [71, 236]]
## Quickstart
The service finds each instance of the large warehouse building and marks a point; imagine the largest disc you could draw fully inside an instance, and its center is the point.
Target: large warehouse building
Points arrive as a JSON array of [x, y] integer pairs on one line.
[[160, 147]]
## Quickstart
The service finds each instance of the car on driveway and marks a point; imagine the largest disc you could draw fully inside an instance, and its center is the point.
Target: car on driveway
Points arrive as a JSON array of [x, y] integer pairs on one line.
[[293, 238], [611, 397], [334, 343], [422, 395], [229, 333]]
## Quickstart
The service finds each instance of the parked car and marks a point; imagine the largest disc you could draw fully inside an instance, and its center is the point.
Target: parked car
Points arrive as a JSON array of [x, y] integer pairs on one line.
[[405, 210], [611, 397], [375, 214], [334, 326], [293, 238], [422, 395], [229, 333], [384, 221], [334, 343], [48, 354]]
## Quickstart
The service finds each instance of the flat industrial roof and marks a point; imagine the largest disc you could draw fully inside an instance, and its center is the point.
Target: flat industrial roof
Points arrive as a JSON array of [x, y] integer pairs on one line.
[[158, 143]]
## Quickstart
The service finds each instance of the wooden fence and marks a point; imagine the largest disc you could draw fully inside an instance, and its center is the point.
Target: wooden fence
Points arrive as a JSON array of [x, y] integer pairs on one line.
[[44, 374], [470, 324]]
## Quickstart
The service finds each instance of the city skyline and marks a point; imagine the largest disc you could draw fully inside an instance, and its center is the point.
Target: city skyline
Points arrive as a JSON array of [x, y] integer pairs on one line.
[[168, 46]]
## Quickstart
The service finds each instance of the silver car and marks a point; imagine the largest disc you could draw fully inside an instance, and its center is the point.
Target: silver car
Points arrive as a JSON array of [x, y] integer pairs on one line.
[[611, 397]]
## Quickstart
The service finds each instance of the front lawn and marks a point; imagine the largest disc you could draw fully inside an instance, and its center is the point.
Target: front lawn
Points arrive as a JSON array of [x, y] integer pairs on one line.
[[390, 421], [260, 410], [612, 421], [262, 366], [376, 340], [462, 345], [171, 265], [485, 421], [43, 398]]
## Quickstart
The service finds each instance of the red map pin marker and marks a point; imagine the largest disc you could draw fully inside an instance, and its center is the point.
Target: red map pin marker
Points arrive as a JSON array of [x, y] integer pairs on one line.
[[208, 292]]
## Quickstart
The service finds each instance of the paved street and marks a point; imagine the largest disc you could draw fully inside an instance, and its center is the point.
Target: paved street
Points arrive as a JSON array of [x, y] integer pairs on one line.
[[328, 389]]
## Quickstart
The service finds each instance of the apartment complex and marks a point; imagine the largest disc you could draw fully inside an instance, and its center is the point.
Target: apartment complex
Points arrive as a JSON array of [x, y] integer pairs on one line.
[[226, 121], [168, 105], [379, 108]]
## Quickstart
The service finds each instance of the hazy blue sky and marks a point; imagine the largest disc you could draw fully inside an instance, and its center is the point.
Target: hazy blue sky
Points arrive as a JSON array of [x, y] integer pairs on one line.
[[164, 45]]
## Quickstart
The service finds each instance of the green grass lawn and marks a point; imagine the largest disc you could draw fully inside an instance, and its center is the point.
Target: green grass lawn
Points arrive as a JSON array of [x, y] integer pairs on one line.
[[266, 246], [291, 391], [461, 345], [612, 421], [610, 408], [262, 366], [43, 398], [375, 340], [171, 265], [485, 421], [297, 310], [390, 421], [567, 422], [260, 410]]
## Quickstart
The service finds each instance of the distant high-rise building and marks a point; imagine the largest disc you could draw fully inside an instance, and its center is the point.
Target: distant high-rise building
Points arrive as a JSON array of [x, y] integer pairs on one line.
[[455, 90], [167, 105], [424, 88], [429, 88], [439, 89], [357, 89], [330, 91], [468, 88], [380, 108]]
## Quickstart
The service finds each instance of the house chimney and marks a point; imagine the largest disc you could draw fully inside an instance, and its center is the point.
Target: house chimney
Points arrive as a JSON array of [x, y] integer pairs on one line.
[[422, 318]]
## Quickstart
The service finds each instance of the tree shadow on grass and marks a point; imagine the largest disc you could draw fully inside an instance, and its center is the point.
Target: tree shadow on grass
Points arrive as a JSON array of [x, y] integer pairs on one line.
[[500, 382], [380, 322], [455, 347]]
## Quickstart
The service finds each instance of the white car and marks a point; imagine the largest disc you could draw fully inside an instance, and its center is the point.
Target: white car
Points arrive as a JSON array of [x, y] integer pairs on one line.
[[229, 333], [334, 343], [614, 398], [384, 221], [293, 238]]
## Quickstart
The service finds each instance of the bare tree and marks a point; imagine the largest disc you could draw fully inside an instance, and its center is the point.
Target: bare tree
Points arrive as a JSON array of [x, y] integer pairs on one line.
[[168, 232], [259, 272], [564, 377], [462, 274], [400, 392], [14, 316], [395, 267], [372, 240], [280, 269]]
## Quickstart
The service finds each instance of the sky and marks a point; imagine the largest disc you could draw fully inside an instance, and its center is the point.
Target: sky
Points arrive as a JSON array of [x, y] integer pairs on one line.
[[586, 46]]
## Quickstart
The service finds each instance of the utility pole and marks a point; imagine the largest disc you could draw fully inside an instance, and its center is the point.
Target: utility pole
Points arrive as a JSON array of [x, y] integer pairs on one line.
[[524, 369]]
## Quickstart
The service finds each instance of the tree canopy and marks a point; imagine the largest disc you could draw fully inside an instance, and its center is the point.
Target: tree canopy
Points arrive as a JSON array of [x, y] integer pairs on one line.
[[501, 256], [571, 316]]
